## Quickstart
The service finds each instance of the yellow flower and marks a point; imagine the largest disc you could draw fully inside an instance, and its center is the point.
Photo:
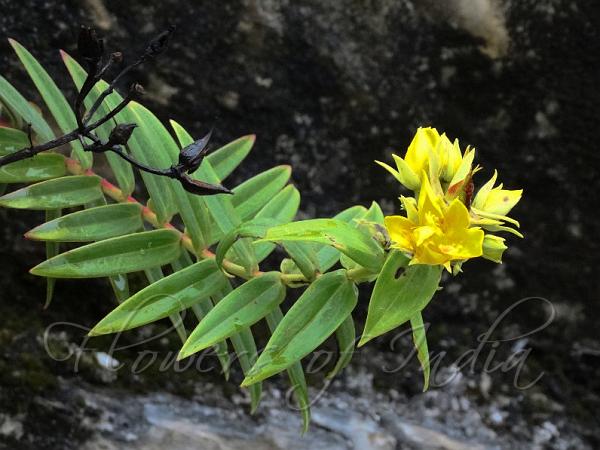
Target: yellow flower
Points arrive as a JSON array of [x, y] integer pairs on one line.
[[432, 154], [492, 204], [433, 232]]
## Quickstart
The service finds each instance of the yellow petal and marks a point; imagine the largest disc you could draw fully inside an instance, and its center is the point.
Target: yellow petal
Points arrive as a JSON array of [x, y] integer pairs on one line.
[[465, 167], [456, 216], [482, 194], [501, 201], [410, 206], [400, 230], [409, 177], [422, 233], [430, 212], [418, 150]]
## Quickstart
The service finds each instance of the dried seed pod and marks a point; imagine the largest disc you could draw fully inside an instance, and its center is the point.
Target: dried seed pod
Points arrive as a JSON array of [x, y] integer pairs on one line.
[[121, 134], [159, 43], [192, 155], [200, 187]]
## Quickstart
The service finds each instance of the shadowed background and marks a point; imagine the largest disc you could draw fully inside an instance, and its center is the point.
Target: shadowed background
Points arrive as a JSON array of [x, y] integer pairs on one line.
[[328, 87]]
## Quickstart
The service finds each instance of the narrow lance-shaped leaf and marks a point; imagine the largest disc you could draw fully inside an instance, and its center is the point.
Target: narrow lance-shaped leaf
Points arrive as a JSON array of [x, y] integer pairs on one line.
[[14, 100], [420, 340], [281, 209], [192, 207], [250, 196], [304, 256], [94, 224], [340, 235], [243, 307], [189, 206], [252, 228], [60, 193], [225, 159], [167, 296], [226, 217], [52, 249], [120, 286], [39, 168], [201, 308], [346, 339], [54, 99], [319, 311], [400, 292], [154, 275], [328, 256], [295, 374], [124, 254], [12, 140], [245, 350], [119, 283]]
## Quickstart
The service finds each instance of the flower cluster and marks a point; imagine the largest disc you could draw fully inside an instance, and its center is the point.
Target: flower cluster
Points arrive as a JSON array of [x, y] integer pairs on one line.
[[444, 223]]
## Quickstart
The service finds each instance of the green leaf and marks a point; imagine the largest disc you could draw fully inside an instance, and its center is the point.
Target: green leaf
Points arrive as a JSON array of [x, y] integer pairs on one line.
[[253, 228], [120, 286], [190, 207], [374, 214], [94, 224], [201, 308], [295, 374], [220, 208], [114, 256], [227, 158], [60, 193], [400, 292], [154, 275], [252, 195], [153, 134], [122, 169], [41, 167], [420, 340], [169, 295], [281, 209], [195, 205], [318, 312], [245, 349], [304, 256], [346, 339], [52, 249], [243, 307], [12, 140], [327, 255], [338, 234], [15, 101], [54, 99], [226, 218]]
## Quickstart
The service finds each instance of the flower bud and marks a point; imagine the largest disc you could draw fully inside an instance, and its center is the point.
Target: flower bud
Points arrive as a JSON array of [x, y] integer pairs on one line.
[[493, 248]]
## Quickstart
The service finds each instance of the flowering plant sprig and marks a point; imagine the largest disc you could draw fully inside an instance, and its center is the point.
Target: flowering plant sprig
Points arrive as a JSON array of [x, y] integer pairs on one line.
[[204, 253]]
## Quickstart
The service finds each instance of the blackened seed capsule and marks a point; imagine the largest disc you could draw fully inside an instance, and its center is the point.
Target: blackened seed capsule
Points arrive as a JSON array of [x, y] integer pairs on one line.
[[200, 187], [120, 134], [159, 43], [191, 156]]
